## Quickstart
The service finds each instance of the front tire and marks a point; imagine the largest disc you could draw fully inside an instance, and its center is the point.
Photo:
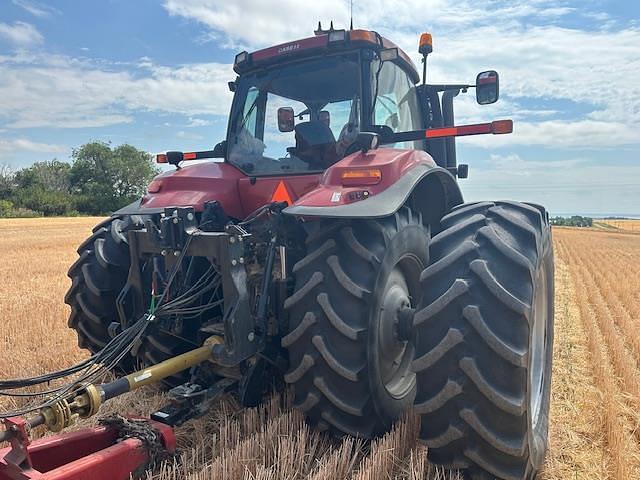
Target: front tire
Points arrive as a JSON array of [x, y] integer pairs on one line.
[[484, 337], [349, 369]]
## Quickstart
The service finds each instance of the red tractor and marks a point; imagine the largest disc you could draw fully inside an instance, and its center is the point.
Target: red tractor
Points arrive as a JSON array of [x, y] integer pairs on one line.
[[329, 247]]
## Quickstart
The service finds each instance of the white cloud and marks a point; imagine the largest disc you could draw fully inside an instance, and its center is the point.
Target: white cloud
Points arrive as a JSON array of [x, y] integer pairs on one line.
[[554, 63], [574, 185], [189, 89], [20, 34], [257, 23], [188, 135], [199, 122], [562, 134], [527, 168], [23, 144], [254, 22], [63, 92], [36, 8]]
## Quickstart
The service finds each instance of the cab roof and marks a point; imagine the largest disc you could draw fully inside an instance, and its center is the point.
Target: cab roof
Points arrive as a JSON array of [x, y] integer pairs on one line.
[[325, 40]]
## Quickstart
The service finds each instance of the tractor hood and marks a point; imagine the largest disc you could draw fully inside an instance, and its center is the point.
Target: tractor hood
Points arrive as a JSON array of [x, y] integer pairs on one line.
[[239, 194], [370, 184], [194, 185]]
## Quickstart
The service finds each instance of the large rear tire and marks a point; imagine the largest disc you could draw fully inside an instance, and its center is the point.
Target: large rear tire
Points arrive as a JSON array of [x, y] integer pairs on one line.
[[484, 337], [97, 278], [349, 370]]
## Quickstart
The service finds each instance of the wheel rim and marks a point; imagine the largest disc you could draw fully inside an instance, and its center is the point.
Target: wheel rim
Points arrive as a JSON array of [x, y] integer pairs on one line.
[[395, 355], [538, 346]]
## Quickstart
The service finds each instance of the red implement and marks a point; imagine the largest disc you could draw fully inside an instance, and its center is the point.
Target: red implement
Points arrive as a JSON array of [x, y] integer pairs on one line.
[[90, 454]]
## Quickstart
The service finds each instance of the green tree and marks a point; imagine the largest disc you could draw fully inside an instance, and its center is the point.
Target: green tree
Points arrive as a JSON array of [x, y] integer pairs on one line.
[[573, 221], [44, 187], [106, 179], [47, 202], [51, 175], [7, 182]]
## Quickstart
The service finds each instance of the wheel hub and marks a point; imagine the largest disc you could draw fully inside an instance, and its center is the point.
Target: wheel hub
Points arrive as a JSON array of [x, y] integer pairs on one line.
[[395, 352]]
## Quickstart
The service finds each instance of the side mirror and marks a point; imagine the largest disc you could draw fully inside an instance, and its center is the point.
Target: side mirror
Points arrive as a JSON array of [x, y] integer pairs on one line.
[[325, 117], [220, 150], [286, 119], [487, 87]]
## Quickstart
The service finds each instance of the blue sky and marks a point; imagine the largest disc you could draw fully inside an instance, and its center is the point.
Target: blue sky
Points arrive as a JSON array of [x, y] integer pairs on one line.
[[154, 74]]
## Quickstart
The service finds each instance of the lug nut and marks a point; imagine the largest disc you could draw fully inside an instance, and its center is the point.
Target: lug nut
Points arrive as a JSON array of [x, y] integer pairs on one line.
[[176, 253], [251, 336], [189, 216]]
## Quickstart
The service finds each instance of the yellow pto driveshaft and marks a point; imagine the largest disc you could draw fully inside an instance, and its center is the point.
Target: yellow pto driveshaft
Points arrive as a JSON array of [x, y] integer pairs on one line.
[[86, 401]]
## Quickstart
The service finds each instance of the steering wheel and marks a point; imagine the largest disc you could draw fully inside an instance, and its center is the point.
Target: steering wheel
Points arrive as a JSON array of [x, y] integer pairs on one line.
[[347, 136]]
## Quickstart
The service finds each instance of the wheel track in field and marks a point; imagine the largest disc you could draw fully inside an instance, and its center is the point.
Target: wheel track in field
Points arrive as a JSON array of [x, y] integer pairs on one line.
[[621, 446]]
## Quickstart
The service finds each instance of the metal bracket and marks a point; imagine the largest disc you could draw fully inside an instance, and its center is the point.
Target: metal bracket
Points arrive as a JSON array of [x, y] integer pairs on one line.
[[190, 401], [225, 250], [97, 453], [18, 457]]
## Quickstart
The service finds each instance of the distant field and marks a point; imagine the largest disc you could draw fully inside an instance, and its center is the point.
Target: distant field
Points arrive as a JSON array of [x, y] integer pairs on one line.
[[595, 417], [627, 225]]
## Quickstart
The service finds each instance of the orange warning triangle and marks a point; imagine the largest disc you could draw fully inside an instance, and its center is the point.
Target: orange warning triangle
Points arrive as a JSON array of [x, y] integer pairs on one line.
[[281, 194]]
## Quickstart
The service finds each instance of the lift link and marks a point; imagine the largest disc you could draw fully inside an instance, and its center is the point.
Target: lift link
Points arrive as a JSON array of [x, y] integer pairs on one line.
[[86, 402]]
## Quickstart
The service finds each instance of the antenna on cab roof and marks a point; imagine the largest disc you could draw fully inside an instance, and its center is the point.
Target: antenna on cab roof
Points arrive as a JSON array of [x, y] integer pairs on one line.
[[351, 14]]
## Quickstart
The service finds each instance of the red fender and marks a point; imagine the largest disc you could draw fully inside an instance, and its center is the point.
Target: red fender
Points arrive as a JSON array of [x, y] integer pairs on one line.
[[400, 172]]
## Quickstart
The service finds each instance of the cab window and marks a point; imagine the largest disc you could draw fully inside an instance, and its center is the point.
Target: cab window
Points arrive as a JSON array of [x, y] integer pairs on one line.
[[395, 101], [319, 100]]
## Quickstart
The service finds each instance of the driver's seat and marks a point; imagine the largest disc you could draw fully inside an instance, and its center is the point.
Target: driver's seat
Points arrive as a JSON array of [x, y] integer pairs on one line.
[[315, 144]]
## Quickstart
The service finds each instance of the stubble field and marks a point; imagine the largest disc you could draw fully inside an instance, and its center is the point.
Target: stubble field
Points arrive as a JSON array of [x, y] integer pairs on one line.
[[595, 417], [627, 225]]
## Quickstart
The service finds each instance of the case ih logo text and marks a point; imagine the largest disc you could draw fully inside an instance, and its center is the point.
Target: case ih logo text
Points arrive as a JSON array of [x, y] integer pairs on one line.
[[289, 48]]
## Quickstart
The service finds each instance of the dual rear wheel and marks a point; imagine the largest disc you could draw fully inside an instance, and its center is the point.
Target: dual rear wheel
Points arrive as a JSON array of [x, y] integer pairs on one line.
[[477, 367]]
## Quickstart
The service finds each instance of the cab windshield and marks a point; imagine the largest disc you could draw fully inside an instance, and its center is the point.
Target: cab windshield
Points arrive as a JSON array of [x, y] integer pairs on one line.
[[296, 118]]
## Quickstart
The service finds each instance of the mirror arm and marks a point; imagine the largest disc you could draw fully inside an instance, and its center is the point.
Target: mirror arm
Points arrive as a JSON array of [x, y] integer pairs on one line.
[[497, 127], [446, 87]]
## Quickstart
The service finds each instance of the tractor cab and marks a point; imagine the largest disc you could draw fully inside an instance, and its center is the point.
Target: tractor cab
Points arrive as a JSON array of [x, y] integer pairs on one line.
[[300, 112], [299, 107]]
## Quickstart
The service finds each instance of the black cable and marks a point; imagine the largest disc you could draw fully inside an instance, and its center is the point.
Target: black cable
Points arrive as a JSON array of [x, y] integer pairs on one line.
[[100, 363], [92, 371], [110, 355]]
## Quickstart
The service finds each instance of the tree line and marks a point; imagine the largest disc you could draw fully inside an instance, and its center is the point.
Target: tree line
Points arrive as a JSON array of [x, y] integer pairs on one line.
[[99, 180], [573, 221]]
